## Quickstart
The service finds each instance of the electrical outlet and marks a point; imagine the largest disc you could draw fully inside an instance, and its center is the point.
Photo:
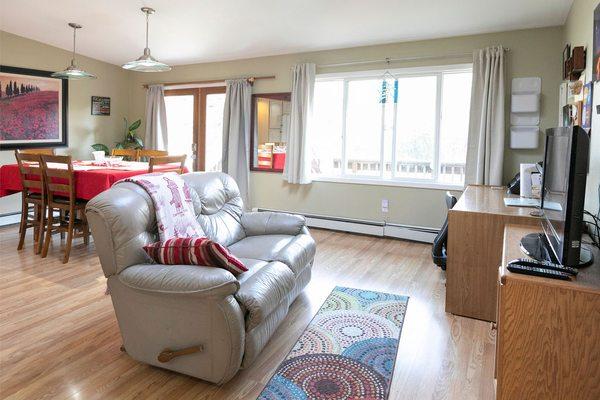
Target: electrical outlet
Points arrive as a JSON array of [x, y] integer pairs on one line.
[[384, 205]]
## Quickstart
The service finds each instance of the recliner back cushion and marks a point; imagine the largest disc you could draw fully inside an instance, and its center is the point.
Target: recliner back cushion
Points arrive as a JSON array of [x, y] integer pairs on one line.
[[218, 205]]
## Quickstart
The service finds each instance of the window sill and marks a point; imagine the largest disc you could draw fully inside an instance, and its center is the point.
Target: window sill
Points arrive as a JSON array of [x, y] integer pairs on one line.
[[389, 182]]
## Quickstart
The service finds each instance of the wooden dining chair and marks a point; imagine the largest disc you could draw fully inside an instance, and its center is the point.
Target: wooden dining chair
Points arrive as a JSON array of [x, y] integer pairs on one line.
[[59, 181], [33, 194], [145, 154], [131, 154], [172, 164], [47, 151]]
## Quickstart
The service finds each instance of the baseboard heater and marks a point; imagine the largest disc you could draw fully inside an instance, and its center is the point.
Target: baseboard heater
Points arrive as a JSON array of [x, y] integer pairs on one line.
[[367, 227], [10, 218]]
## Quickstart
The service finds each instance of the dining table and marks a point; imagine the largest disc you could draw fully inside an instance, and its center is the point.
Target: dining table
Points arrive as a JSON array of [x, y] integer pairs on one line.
[[91, 177]]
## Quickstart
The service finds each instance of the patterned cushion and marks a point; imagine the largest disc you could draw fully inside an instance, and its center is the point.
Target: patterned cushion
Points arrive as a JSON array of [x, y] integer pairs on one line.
[[194, 251], [227, 260]]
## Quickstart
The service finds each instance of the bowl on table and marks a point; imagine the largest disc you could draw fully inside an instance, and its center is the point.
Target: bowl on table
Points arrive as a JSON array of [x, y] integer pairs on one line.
[[113, 161]]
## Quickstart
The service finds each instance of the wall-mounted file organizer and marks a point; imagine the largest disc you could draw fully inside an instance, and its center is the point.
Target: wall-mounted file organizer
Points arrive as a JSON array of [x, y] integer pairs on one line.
[[525, 113]]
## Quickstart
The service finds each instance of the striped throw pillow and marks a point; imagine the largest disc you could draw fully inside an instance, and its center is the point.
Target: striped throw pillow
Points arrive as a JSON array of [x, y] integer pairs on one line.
[[227, 260], [194, 251]]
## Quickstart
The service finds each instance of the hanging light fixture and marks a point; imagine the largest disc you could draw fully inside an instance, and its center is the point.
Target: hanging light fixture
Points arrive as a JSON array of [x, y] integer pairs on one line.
[[72, 71], [147, 63]]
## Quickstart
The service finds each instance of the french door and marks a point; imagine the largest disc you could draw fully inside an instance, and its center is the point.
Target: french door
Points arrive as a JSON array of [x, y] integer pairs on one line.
[[195, 125]]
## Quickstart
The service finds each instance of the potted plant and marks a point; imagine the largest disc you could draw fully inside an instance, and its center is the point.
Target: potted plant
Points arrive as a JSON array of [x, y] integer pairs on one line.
[[130, 141]]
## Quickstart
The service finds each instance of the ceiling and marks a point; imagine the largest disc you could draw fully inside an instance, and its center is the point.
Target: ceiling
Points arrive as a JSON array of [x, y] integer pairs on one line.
[[192, 31]]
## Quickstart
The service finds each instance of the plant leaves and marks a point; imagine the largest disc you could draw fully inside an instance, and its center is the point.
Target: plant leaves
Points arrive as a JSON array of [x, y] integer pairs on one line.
[[119, 145], [139, 141], [135, 125], [101, 147]]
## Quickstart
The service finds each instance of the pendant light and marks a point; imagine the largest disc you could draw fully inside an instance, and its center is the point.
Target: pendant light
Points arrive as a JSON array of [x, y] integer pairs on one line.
[[72, 71], [147, 63]]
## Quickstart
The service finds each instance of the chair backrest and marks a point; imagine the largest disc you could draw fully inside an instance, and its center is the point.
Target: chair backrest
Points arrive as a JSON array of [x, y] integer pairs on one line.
[[132, 154], [171, 164], [265, 155], [440, 243], [47, 151], [145, 154], [450, 200], [30, 171], [59, 177]]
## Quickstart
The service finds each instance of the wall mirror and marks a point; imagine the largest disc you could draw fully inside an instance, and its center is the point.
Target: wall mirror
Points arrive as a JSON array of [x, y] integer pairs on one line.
[[270, 129]]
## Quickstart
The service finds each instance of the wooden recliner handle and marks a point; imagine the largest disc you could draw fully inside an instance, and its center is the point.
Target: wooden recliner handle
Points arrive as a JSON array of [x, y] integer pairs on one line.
[[167, 354]]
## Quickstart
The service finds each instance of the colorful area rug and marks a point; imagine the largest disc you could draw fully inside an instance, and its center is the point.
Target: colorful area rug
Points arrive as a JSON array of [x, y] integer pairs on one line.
[[348, 350]]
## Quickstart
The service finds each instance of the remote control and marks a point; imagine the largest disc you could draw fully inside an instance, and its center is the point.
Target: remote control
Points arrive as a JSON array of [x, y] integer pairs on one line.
[[545, 264], [537, 271]]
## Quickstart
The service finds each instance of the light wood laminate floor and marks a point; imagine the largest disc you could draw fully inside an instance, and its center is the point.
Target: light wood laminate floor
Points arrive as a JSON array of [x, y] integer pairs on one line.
[[59, 338]]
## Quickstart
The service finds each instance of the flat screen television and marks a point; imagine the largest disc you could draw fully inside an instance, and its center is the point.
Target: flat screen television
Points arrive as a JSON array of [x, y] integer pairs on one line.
[[564, 175]]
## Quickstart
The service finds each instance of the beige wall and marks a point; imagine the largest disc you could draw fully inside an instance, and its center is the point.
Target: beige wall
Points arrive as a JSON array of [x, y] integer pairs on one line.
[[535, 52], [579, 31], [84, 129]]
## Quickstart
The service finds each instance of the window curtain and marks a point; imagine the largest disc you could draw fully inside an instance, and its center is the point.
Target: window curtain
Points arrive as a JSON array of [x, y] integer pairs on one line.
[[156, 118], [236, 134], [297, 159], [485, 149]]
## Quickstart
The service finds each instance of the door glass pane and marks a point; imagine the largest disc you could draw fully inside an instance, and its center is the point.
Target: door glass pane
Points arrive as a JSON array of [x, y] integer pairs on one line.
[[415, 127], [215, 104], [454, 128], [180, 126], [363, 128]]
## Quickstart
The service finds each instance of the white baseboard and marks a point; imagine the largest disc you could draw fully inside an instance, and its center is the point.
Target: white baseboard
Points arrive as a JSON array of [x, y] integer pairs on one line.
[[418, 234], [366, 227], [10, 219], [346, 226]]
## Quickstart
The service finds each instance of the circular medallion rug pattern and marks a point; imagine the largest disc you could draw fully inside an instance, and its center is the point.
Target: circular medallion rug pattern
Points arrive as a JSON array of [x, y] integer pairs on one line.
[[348, 350]]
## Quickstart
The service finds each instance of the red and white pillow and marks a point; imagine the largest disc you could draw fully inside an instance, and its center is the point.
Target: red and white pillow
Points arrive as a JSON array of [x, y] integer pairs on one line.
[[194, 251]]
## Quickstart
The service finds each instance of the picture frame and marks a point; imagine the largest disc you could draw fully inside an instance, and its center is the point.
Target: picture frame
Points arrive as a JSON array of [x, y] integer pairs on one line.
[[586, 112], [100, 105], [596, 46], [566, 56], [33, 109]]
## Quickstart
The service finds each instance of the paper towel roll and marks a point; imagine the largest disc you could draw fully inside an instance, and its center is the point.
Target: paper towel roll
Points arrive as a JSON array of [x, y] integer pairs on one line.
[[526, 170]]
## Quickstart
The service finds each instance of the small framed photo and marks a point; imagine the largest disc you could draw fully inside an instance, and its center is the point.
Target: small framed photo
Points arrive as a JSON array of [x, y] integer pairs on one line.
[[100, 105], [565, 60]]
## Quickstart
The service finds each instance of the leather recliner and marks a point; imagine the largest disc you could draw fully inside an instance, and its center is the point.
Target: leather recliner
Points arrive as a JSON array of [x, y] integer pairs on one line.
[[221, 321]]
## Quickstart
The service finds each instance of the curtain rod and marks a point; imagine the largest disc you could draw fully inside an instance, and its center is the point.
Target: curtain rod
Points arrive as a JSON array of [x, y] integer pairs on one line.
[[391, 60], [250, 80]]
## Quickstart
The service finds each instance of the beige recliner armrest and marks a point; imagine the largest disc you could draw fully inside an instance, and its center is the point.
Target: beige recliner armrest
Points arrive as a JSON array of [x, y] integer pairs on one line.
[[184, 280], [273, 223]]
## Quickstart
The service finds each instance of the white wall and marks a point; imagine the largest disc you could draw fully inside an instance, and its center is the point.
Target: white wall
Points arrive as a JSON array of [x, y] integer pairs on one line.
[[84, 129]]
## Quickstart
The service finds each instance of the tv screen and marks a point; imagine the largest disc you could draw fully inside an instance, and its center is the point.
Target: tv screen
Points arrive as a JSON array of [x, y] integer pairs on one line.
[[556, 187], [564, 177]]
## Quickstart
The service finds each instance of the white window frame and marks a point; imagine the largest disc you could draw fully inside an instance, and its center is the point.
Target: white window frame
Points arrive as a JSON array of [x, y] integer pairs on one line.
[[345, 77]]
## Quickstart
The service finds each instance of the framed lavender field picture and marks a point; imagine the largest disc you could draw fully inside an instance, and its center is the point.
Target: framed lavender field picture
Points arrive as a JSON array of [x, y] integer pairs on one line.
[[33, 109]]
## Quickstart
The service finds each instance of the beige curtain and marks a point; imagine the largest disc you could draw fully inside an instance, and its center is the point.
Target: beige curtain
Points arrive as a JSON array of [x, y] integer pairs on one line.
[[297, 158], [236, 134], [485, 150], [156, 118]]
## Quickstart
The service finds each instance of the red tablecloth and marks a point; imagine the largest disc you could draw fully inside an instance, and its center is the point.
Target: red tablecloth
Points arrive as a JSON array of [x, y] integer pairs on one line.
[[88, 183]]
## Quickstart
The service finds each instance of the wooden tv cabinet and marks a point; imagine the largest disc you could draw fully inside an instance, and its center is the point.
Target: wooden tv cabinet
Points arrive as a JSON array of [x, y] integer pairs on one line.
[[548, 331]]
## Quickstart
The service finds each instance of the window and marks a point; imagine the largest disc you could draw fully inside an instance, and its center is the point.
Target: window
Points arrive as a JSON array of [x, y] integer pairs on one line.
[[409, 125], [195, 126]]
